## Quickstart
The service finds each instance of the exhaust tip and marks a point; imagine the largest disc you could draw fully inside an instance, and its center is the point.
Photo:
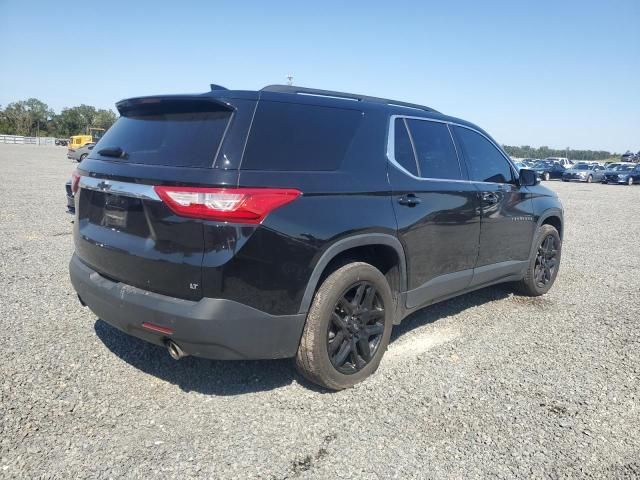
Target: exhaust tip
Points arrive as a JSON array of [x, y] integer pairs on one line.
[[174, 350]]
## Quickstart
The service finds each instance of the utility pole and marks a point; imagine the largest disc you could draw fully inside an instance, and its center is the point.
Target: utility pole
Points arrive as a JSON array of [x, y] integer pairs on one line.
[[289, 79]]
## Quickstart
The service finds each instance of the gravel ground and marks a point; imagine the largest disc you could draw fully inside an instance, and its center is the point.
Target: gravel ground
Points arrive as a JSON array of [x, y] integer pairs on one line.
[[488, 384]]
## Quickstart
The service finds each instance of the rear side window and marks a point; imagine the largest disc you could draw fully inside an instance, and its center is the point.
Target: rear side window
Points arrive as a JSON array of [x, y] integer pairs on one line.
[[403, 151], [436, 153], [486, 163], [299, 137], [184, 139]]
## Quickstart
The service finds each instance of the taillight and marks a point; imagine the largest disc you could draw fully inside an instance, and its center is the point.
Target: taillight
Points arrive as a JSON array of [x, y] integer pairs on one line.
[[237, 205], [75, 181]]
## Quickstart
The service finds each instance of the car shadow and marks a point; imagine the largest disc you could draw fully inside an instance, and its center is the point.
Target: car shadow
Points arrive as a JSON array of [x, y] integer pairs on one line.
[[192, 374], [237, 377]]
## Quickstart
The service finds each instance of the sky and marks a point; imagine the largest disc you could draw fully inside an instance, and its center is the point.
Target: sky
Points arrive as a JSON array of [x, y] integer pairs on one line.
[[556, 73]]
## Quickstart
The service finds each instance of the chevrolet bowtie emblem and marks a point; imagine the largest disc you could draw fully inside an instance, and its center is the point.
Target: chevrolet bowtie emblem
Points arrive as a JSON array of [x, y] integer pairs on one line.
[[104, 185]]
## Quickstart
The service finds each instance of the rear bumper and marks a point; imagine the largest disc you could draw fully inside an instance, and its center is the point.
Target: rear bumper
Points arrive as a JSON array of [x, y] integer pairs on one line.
[[211, 328]]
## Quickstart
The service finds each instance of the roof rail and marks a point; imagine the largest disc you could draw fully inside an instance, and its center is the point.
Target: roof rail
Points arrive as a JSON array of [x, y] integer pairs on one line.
[[346, 96]]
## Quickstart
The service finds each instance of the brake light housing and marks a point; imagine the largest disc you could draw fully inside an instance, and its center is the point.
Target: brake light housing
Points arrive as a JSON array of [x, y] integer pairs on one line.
[[75, 181], [234, 205]]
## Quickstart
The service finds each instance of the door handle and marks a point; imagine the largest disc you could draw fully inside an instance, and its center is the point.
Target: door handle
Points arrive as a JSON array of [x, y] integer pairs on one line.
[[490, 198], [409, 200]]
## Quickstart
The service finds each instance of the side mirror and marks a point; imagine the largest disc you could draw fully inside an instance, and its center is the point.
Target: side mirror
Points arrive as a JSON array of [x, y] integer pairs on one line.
[[528, 178]]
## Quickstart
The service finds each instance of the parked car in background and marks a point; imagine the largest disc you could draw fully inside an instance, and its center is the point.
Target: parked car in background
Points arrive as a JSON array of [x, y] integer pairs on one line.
[[547, 169], [299, 223], [628, 174], [71, 207], [70, 187], [584, 172], [524, 162], [80, 153], [62, 142], [612, 167], [629, 156], [564, 161]]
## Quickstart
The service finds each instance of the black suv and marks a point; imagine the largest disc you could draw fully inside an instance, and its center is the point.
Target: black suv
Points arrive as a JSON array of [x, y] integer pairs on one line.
[[293, 222]]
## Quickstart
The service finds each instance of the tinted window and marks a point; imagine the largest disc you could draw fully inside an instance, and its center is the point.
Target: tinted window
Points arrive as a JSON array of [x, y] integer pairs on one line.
[[290, 136], [403, 151], [175, 139], [486, 163], [435, 151]]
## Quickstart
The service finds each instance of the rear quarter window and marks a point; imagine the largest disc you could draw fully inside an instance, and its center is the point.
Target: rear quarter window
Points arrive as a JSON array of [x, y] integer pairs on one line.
[[299, 137]]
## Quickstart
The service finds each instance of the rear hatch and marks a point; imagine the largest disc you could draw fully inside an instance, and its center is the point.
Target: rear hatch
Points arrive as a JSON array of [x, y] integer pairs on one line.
[[123, 229]]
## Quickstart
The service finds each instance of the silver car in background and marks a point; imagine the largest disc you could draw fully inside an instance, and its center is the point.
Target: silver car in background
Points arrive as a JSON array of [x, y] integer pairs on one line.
[[79, 154], [584, 172]]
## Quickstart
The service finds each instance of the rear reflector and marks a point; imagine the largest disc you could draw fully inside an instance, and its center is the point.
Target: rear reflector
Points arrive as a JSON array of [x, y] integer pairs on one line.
[[158, 328], [236, 205], [75, 181]]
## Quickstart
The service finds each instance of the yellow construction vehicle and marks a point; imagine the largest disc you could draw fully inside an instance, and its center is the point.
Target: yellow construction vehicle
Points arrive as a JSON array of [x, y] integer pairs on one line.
[[77, 141]]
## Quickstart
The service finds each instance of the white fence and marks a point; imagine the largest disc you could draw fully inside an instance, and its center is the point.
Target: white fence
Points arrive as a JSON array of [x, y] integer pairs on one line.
[[20, 140]]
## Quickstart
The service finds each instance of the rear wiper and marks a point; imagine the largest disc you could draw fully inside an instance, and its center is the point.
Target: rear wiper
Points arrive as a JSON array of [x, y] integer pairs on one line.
[[116, 152]]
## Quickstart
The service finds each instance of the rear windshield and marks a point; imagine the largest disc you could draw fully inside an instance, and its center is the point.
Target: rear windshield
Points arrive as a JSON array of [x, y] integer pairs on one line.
[[182, 139], [299, 137]]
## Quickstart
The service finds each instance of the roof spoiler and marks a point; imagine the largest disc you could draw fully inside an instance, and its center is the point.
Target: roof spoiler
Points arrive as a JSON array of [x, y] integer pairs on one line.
[[158, 104]]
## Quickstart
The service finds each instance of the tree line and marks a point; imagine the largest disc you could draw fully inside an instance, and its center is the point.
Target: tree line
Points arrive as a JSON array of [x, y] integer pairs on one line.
[[526, 151], [34, 117]]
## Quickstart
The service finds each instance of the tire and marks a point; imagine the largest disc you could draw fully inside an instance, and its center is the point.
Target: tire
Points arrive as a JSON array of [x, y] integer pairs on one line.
[[327, 316], [530, 285], [589, 179], [565, 180], [630, 181], [546, 176], [82, 157]]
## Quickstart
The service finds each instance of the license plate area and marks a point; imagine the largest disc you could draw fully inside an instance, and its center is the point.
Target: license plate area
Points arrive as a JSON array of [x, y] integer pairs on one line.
[[115, 211]]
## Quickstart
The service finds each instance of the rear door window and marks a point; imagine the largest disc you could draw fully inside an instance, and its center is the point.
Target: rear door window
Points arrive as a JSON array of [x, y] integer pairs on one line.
[[177, 139], [299, 137], [485, 162], [436, 153]]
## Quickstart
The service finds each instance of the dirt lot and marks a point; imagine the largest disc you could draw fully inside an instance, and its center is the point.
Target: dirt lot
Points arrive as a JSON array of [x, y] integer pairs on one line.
[[489, 384]]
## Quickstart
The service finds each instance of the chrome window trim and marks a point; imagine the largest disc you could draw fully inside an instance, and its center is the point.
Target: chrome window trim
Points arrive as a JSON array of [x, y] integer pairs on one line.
[[411, 142], [135, 190], [391, 149]]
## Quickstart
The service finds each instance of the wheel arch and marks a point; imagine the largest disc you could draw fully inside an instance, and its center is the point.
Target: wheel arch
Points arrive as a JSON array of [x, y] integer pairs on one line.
[[554, 218], [342, 249]]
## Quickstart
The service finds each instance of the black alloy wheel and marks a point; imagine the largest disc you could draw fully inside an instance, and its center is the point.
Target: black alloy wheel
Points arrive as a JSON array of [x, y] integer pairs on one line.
[[546, 261], [356, 328]]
